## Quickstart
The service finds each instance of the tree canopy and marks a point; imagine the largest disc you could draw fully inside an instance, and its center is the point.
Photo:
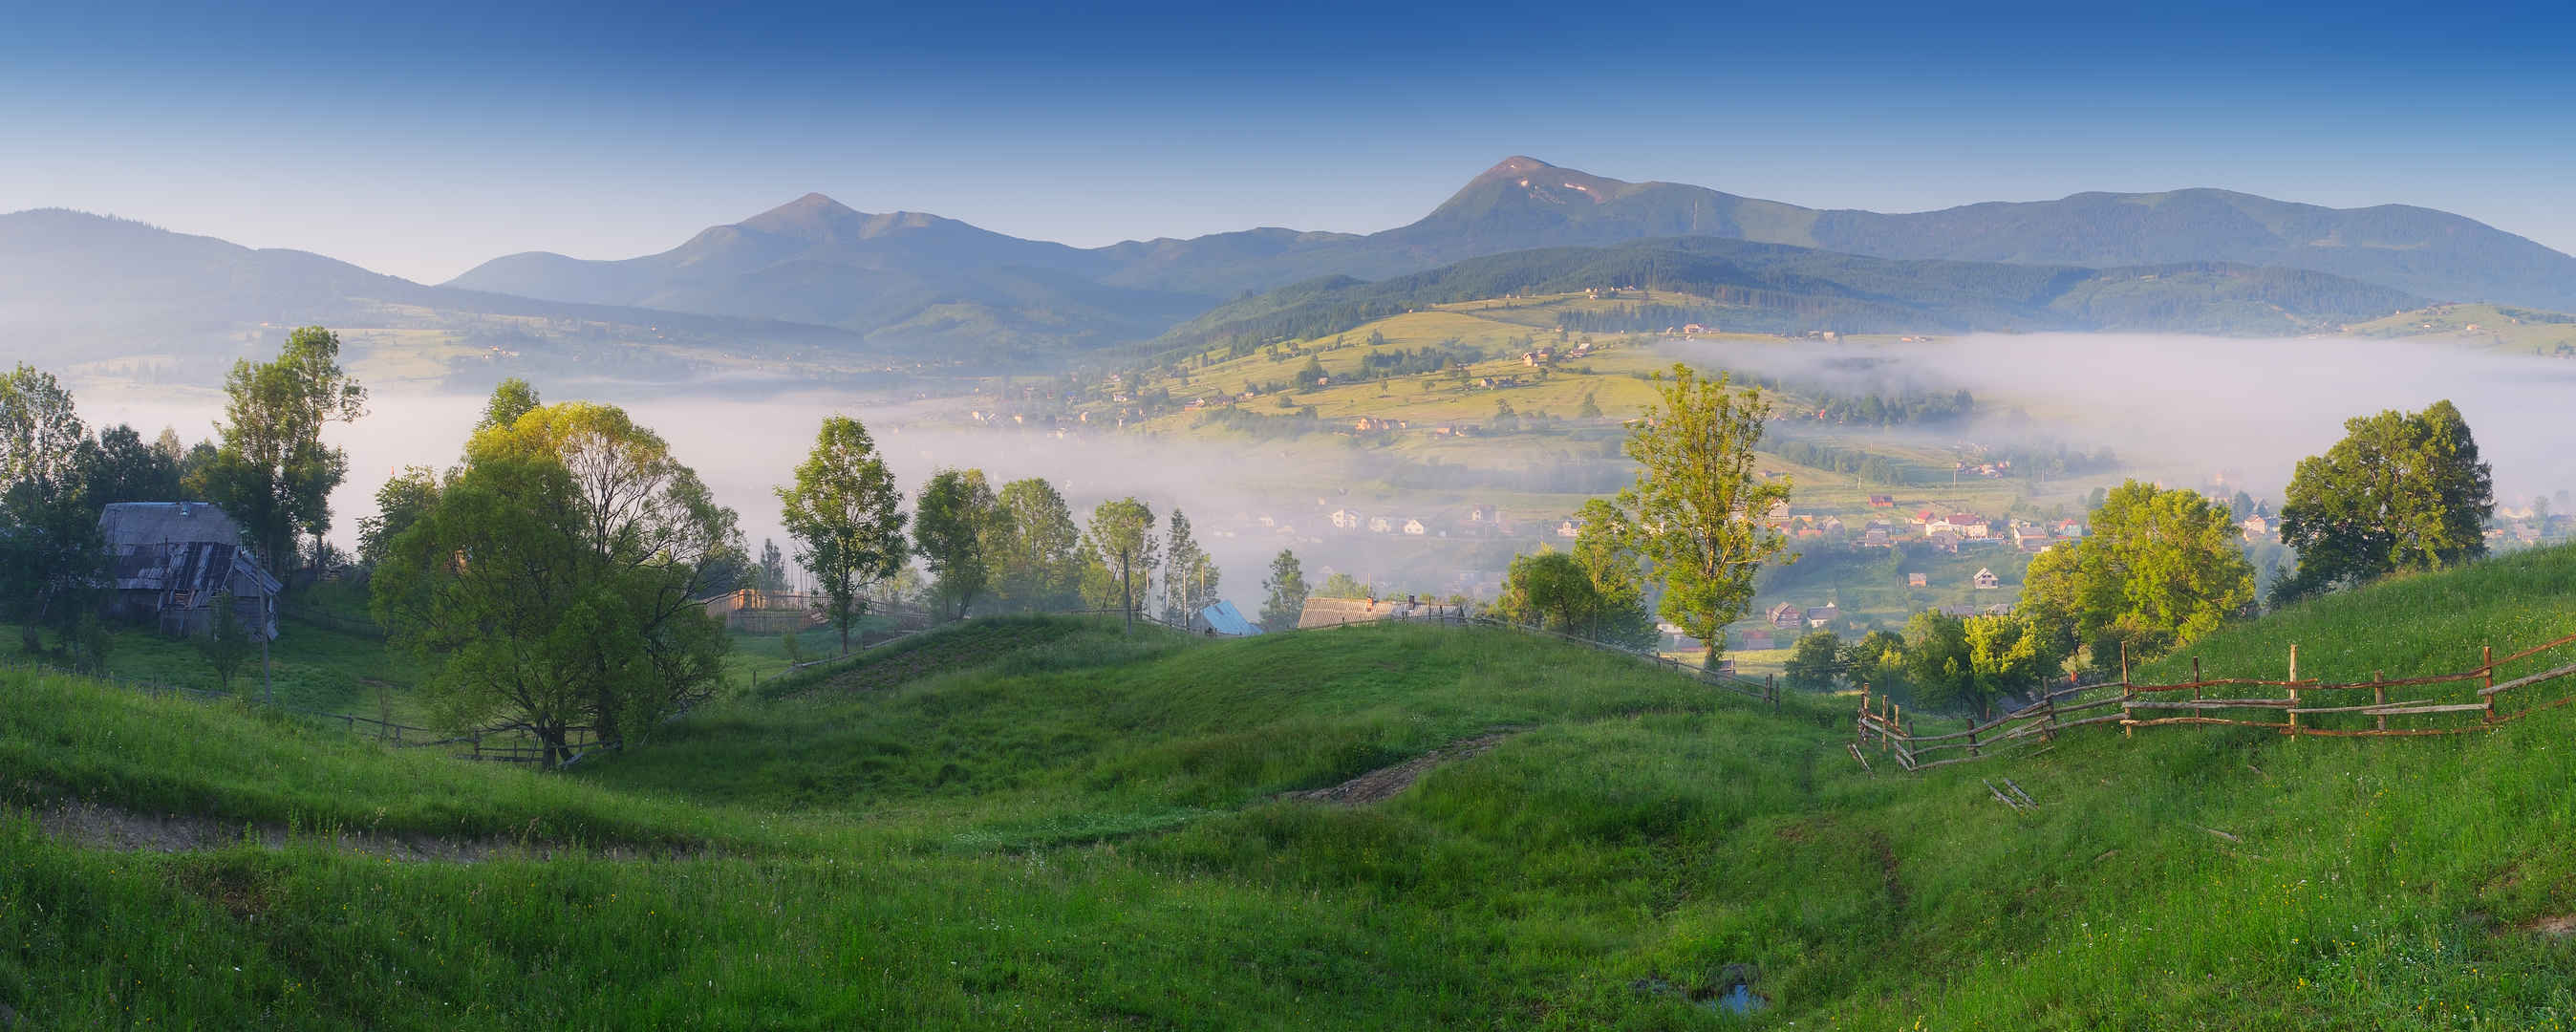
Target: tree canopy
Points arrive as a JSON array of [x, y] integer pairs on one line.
[[1285, 603], [843, 510], [1038, 564], [2402, 492], [553, 581], [272, 473], [1697, 503], [954, 524], [2155, 569]]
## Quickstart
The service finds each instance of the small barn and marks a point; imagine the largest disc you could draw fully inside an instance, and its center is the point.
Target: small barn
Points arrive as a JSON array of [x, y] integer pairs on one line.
[[167, 562], [1223, 618]]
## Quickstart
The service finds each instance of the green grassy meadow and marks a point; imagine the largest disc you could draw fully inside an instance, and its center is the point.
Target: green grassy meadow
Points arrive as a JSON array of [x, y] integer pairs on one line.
[[1048, 823]]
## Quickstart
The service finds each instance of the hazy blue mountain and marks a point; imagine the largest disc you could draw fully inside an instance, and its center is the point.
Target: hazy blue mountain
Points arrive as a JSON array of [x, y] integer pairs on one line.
[[909, 280], [1743, 285], [75, 285]]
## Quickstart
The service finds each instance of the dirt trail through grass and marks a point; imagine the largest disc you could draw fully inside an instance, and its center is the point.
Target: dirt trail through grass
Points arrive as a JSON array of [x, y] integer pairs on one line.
[[1384, 782]]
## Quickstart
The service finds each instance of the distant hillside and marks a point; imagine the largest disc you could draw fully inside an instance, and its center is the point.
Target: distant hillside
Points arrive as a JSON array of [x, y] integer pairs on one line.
[[80, 286], [1740, 286], [905, 278], [919, 282]]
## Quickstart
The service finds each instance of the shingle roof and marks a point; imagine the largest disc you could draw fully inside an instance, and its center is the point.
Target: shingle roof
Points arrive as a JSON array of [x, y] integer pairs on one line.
[[126, 524]]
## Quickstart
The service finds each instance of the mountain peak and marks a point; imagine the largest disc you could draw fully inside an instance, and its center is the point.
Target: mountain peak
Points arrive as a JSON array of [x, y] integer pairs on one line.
[[807, 216]]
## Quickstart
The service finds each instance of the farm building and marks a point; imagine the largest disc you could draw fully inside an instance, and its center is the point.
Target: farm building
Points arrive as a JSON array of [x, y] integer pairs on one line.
[[1335, 612], [766, 612], [1986, 578], [1223, 618], [167, 562]]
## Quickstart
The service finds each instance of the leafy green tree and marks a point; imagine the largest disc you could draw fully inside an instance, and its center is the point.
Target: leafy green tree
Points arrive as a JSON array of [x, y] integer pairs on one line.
[[1877, 659], [511, 399], [1342, 585], [2402, 492], [2156, 569], [1122, 536], [553, 581], [1038, 563], [399, 504], [1590, 409], [120, 466], [1189, 576], [773, 567], [273, 474], [1698, 504], [1815, 662], [1937, 660], [843, 510], [1967, 664], [952, 525], [227, 643], [51, 557], [1286, 589]]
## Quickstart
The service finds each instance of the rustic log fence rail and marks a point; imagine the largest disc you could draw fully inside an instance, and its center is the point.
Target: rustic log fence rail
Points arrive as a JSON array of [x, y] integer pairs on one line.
[[1880, 722]]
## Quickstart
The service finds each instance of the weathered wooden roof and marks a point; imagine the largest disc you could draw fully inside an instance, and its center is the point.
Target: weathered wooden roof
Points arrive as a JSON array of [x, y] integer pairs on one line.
[[127, 524]]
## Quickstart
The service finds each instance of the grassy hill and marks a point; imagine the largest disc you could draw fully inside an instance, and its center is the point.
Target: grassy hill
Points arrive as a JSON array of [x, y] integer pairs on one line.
[[1046, 823], [1775, 287]]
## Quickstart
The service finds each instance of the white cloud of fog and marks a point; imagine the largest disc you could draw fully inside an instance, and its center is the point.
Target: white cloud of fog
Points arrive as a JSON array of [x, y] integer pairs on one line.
[[2185, 406]]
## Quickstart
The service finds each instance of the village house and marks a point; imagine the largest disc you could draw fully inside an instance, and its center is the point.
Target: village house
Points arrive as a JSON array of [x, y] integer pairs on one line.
[[168, 561], [1787, 616], [1416, 528], [1876, 537], [1825, 615], [2257, 528], [1569, 529], [1830, 525], [1942, 541], [1345, 519], [1986, 579], [1755, 639], [1916, 580], [1380, 525], [1964, 524], [1879, 501]]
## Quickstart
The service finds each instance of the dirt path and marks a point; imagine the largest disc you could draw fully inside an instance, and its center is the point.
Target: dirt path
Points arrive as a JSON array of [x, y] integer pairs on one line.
[[103, 827], [1384, 782]]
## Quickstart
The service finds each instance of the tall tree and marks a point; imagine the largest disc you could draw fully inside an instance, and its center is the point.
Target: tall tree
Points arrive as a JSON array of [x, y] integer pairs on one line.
[[1286, 589], [1038, 561], [843, 510], [1122, 535], [553, 581], [120, 466], [399, 504], [773, 567], [2401, 492], [511, 398], [952, 525], [1815, 662], [1698, 504], [273, 473], [2154, 570], [50, 553], [1189, 576]]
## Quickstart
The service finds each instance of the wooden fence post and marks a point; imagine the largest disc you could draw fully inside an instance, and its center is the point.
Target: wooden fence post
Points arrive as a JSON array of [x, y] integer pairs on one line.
[[2378, 697], [2195, 679], [2486, 680], [2293, 711], [1771, 690], [2126, 693]]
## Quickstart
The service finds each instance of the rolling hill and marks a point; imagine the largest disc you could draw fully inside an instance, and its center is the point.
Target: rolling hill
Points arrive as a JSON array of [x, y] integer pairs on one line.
[[1740, 286], [1069, 827]]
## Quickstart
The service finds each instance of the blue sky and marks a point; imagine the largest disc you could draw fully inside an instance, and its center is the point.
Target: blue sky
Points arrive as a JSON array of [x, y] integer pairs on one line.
[[422, 140]]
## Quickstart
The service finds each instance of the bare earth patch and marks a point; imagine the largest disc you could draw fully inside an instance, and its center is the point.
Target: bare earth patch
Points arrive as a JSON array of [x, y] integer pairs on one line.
[[2563, 924], [103, 827], [1384, 782]]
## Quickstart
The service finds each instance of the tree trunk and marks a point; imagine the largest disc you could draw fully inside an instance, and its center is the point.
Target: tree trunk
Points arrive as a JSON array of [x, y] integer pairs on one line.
[[1708, 652], [1127, 590]]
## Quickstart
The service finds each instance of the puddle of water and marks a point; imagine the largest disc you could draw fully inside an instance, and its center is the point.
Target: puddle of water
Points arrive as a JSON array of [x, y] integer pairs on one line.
[[1741, 1000]]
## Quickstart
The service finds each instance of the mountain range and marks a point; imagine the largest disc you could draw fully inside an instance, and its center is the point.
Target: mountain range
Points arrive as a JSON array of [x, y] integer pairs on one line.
[[909, 275], [817, 274]]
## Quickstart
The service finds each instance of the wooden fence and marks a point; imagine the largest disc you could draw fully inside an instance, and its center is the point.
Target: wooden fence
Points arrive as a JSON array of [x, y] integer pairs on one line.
[[1765, 690], [2472, 700]]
